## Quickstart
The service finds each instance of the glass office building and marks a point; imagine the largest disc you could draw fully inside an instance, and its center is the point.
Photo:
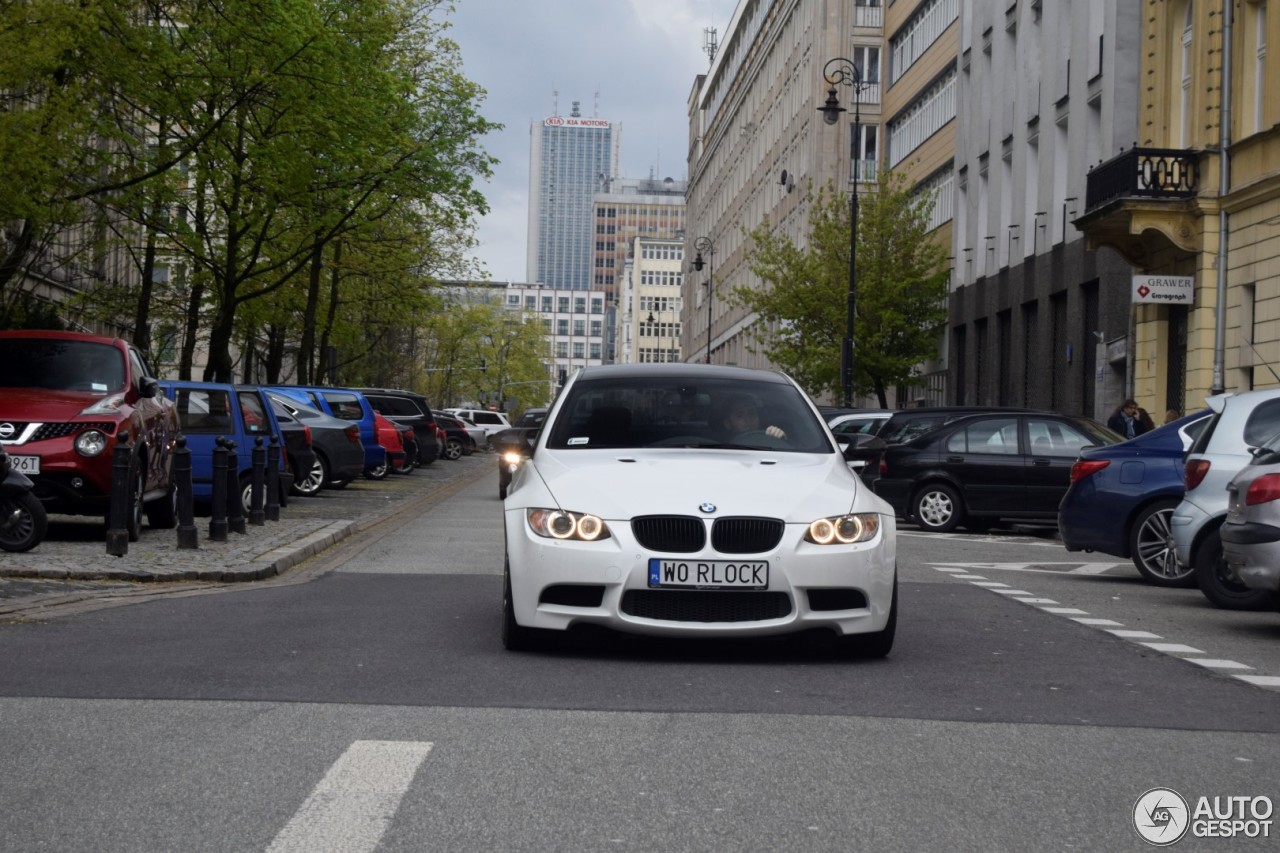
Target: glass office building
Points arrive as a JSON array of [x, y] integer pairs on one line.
[[570, 159]]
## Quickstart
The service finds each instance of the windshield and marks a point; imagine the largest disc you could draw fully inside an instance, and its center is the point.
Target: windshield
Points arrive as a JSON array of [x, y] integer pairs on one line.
[[61, 365], [670, 411]]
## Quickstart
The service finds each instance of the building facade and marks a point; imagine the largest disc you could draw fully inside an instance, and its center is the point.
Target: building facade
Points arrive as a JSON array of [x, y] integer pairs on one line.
[[1176, 208], [573, 322], [649, 302], [1038, 317], [571, 158], [757, 142]]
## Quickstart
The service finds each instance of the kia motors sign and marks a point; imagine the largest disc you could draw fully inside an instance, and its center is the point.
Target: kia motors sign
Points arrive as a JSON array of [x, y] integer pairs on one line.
[[1164, 289], [574, 121]]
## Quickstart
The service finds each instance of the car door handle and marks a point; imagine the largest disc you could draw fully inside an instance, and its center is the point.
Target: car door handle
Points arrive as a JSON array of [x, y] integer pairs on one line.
[[1040, 461], [955, 458]]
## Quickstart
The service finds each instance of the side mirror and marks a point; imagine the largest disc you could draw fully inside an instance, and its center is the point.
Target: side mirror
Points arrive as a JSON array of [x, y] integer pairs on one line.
[[518, 441], [148, 387]]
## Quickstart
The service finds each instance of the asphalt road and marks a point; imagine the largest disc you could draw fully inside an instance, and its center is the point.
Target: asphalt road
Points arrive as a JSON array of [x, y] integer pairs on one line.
[[364, 700]]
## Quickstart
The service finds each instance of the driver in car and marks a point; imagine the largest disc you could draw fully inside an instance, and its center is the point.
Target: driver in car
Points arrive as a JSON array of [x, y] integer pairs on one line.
[[742, 417]]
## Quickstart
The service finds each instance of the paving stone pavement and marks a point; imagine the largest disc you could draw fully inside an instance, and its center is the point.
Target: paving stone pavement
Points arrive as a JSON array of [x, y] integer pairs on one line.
[[72, 560]]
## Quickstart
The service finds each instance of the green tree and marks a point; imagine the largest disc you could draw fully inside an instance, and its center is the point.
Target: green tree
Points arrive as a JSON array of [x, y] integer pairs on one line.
[[900, 306]]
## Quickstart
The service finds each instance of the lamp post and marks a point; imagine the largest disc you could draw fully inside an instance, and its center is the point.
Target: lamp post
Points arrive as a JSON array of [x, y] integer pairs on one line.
[[845, 72], [704, 244]]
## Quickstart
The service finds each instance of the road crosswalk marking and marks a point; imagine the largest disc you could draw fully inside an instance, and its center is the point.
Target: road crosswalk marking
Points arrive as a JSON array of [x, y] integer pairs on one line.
[[1043, 567], [352, 806]]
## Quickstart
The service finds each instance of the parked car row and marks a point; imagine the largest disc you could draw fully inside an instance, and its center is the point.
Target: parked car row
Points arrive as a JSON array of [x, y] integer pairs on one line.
[[68, 400]]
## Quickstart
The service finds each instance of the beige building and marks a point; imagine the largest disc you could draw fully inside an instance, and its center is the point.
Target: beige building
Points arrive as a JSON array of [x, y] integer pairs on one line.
[[757, 141], [649, 303], [1207, 227]]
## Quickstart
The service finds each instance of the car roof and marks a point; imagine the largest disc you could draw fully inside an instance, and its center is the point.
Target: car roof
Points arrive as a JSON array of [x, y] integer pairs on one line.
[[55, 334], [676, 370]]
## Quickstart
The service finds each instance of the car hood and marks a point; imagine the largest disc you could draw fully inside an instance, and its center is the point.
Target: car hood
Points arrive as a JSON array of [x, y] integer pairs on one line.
[[616, 484], [43, 404]]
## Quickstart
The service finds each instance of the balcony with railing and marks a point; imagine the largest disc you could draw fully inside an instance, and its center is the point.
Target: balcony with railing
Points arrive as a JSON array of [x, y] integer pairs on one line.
[[1149, 173], [868, 16], [1143, 201]]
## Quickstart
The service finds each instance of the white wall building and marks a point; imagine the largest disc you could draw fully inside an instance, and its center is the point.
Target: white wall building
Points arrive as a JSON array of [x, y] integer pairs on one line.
[[573, 322], [649, 303]]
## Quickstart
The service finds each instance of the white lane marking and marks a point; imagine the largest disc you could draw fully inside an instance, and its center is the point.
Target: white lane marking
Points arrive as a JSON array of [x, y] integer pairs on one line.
[[970, 578], [1173, 648], [1110, 625], [1034, 568], [990, 584], [352, 806]]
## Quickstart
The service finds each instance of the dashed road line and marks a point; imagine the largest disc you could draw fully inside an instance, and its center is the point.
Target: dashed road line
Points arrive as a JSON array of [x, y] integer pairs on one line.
[[963, 571]]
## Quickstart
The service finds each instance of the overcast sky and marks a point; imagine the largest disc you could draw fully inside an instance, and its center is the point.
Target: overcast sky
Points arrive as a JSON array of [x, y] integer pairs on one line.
[[627, 61]]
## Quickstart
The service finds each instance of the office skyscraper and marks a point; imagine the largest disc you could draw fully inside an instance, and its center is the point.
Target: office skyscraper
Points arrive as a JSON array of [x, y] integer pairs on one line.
[[570, 158]]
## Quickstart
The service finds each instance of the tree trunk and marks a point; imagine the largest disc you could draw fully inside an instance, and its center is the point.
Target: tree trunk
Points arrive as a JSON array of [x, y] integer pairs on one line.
[[307, 359]]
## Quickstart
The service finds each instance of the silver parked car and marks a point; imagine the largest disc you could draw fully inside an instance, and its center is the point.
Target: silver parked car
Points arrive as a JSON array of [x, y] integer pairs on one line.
[[1239, 422], [1251, 533]]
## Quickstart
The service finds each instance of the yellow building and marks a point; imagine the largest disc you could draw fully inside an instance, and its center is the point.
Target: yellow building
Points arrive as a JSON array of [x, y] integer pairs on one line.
[[1176, 209]]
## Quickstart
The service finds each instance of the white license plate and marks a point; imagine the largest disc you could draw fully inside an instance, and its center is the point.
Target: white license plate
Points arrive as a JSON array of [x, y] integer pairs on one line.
[[25, 464], [708, 574]]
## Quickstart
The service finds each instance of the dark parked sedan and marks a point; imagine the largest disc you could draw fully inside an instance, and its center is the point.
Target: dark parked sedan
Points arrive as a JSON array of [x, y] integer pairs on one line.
[[1122, 497], [979, 469], [339, 452], [458, 442]]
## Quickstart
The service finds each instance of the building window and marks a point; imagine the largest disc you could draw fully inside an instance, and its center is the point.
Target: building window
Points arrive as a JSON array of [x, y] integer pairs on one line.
[[922, 118], [920, 31]]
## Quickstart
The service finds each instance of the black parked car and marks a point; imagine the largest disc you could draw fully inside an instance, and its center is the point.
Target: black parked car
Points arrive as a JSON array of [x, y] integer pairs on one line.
[[978, 469], [458, 442], [906, 424], [411, 409]]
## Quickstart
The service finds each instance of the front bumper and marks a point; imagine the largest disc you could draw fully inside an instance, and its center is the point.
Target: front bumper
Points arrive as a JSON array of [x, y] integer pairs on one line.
[[557, 584]]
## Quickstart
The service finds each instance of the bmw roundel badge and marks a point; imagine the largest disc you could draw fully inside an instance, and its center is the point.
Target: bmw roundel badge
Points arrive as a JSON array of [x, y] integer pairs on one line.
[[708, 508]]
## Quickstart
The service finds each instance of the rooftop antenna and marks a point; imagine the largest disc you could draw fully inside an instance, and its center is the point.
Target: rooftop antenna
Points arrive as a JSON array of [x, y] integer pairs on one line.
[[595, 104], [709, 44], [555, 102]]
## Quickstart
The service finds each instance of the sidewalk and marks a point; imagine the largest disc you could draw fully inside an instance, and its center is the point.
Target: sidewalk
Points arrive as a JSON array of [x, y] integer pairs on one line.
[[73, 555]]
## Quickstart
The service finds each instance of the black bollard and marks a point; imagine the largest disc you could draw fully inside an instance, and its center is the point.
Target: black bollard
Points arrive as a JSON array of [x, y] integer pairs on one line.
[[235, 499], [273, 480], [257, 516], [188, 538], [118, 510], [218, 522]]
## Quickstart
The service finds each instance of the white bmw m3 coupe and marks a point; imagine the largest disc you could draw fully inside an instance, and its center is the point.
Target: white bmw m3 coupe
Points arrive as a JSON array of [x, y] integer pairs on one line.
[[688, 500]]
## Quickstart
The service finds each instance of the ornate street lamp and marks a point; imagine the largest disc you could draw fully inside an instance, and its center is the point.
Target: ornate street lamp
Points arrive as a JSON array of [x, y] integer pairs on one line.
[[845, 72], [704, 244]]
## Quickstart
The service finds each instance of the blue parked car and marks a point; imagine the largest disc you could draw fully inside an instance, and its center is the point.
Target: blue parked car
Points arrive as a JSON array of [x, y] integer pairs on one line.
[[1122, 497], [348, 405], [207, 410]]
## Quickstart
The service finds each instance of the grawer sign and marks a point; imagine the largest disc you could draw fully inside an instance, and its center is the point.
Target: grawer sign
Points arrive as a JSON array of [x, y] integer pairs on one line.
[[1164, 289]]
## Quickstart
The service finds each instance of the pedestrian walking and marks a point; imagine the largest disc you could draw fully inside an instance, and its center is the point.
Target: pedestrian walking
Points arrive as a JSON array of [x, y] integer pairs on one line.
[[1127, 420]]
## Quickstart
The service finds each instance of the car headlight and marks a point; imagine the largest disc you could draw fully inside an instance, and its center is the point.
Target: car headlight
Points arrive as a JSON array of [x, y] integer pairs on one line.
[[91, 442], [844, 529], [511, 457], [563, 524]]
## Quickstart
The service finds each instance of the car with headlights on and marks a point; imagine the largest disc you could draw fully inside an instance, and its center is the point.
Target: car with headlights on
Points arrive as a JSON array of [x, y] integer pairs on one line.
[[649, 503]]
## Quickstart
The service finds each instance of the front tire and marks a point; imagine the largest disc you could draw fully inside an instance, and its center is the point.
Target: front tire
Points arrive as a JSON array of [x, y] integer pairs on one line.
[[1151, 547], [515, 637], [453, 450], [163, 514], [23, 522], [1218, 583], [937, 508]]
